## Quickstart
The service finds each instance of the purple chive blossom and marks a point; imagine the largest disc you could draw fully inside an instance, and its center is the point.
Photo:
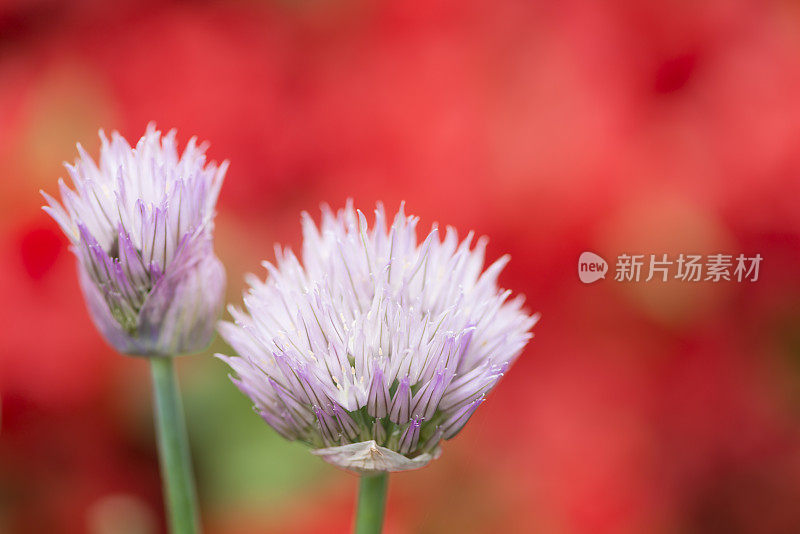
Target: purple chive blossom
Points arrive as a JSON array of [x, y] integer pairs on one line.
[[376, 347], [141, 224]]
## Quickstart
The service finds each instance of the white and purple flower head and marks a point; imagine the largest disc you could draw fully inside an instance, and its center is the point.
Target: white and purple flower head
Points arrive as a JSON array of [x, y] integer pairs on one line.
[[375, 348], [141, 223]]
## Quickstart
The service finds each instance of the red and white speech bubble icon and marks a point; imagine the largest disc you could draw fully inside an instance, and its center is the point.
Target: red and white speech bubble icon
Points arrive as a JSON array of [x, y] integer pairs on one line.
[[591, 267]]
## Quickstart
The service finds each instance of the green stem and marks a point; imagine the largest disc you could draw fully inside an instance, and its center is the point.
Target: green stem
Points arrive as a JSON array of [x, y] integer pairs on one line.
[[173, 449], [371, 503]]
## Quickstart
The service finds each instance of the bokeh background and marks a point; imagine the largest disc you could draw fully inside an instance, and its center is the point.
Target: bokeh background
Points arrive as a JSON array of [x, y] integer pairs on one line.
[[553, 128]]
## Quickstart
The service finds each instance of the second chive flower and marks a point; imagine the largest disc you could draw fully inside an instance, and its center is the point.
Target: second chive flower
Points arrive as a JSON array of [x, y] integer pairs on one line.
[[375, 348], [141, 222]]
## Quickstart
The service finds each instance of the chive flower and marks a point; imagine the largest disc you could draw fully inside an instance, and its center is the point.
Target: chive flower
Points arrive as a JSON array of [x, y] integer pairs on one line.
[[374, 348], [140, 221]]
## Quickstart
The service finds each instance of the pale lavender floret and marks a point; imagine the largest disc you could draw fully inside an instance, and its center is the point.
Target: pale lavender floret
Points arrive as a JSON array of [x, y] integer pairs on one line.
[[401, 402], [410, 437], [453, 424], [140, 221], [378, 395], [374, 348]]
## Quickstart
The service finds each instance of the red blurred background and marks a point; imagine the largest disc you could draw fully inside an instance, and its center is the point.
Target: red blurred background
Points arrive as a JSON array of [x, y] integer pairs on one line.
[[553, 128]]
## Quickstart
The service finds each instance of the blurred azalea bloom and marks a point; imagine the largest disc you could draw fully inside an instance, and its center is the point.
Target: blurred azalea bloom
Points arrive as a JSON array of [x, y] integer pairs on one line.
[[141, 224], [375, 348]]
